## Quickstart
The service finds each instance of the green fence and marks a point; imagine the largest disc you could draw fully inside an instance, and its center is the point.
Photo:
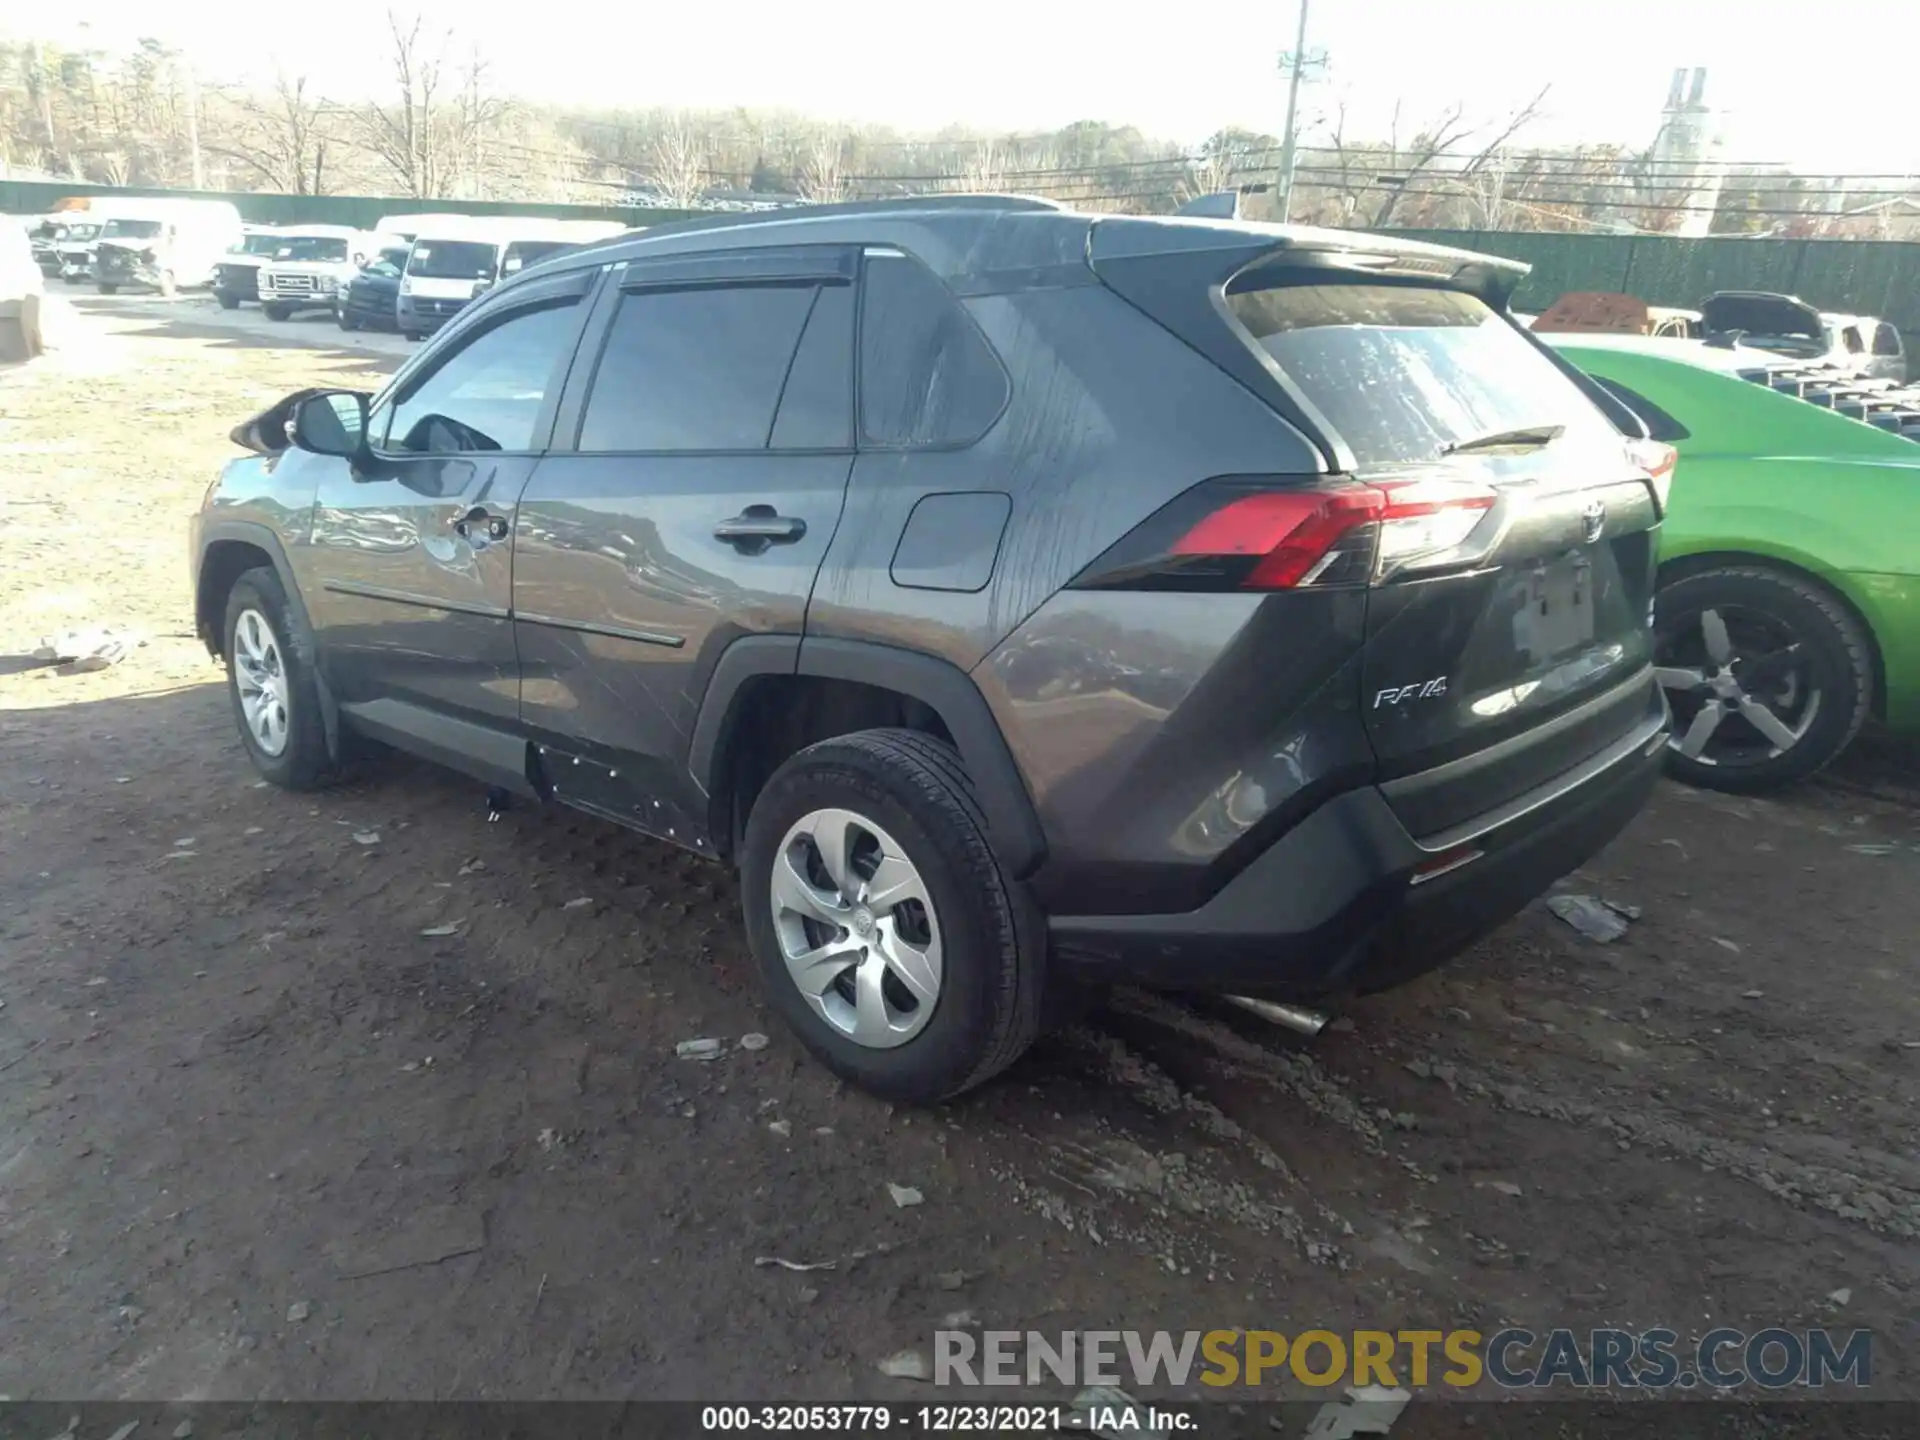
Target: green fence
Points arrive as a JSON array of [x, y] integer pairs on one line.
[[1866, 277], [33, 197]]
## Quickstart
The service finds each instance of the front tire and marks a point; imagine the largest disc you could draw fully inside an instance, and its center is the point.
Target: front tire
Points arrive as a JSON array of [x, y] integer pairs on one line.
[[1769, 676], [270, 682], [228, 302], [885, 931], [346, 321], [106, 289], [276, 312]]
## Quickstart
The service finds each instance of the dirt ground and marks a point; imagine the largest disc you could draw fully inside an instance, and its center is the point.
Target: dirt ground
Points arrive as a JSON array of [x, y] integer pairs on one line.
[[264, 1135]]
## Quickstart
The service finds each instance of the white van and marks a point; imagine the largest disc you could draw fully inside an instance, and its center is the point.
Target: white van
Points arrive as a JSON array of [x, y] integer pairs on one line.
[[312, 264], [164, 244], [449, 265], [408, 227]]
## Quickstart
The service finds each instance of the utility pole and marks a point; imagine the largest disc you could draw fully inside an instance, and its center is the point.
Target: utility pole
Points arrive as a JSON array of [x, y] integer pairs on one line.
[[1296, 63], [193, 130]]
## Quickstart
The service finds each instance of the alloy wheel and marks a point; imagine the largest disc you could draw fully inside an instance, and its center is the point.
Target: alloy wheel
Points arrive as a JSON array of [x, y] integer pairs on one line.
[[260, 673], [1741, 686], [857, 928]]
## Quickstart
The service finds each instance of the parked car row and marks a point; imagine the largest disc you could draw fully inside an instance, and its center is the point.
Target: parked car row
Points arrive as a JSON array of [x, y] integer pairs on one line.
[[411, 273], [1783, 326]]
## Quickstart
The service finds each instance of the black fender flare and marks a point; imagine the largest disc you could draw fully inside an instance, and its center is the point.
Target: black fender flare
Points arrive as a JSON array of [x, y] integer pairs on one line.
[[1013, 826], [248, 532]]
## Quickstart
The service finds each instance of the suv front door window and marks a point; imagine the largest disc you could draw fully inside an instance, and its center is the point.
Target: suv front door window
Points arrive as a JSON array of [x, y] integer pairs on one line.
[[414, 547]]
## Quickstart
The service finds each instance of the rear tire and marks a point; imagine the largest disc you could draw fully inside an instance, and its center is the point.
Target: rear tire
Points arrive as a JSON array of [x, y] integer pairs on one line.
[[269, 650], [1793, 688], [906, 796]]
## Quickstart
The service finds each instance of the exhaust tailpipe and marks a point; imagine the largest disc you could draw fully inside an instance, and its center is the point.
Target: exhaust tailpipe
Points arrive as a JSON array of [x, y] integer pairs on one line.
[[1293, 1017]]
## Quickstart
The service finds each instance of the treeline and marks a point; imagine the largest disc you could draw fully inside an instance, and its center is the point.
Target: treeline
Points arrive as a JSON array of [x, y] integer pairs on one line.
[[437, 127]]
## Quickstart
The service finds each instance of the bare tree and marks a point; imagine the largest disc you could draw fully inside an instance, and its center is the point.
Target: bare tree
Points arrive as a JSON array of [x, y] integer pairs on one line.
[[282, 136], [478, 115], [1438, 140], [985, 170], [677, 162], [822, 171], [116, 167], [410, 132]]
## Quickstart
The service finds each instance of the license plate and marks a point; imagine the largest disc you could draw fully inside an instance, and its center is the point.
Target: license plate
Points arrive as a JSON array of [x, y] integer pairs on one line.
[[1556, 609]]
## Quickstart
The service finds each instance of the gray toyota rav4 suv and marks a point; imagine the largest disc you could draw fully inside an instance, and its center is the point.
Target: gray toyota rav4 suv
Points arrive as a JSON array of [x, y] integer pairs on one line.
[[1017, 598]]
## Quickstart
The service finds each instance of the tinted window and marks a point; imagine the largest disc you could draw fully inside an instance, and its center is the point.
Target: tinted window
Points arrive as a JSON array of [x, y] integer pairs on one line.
[[1401, 370], [816, 408], [1886, 340], [1850, 338], [1660, 425], [695, 369], [927, 376], [487, 394]]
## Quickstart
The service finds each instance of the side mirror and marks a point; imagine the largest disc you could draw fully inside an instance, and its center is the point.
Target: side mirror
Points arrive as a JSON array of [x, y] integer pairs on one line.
[[359, 259], [333, 422]]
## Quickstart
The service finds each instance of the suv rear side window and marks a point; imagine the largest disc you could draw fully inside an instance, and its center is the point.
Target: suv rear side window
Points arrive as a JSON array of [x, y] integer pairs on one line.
[[1399, 371], [1886, 339], [696, 369], [927, 375]]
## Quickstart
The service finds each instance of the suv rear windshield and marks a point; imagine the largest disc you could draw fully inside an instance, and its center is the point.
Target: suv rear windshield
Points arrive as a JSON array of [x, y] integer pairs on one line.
[[452, 260], [312, 247], [1400, 371]]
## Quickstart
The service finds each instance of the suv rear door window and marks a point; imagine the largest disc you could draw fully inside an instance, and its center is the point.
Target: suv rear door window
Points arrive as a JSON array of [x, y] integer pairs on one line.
[[1402, 371], [927, 375], [695, 369]]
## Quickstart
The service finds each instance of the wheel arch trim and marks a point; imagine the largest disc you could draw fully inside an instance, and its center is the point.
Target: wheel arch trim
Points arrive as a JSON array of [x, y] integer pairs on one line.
[[1013, 826], [216, 533]]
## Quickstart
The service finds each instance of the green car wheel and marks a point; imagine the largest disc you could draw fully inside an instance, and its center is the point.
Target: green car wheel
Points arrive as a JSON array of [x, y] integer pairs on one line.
[[1769, 677]]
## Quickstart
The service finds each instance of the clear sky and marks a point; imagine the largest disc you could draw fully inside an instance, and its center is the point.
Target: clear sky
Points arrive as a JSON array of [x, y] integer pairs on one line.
[[1828, 87]]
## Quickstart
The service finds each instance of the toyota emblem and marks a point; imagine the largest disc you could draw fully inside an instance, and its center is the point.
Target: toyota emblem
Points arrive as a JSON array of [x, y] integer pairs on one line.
[[1593, 520]]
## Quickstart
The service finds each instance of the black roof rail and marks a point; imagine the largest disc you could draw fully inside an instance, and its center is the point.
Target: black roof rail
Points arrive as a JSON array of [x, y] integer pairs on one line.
[[901, 205]]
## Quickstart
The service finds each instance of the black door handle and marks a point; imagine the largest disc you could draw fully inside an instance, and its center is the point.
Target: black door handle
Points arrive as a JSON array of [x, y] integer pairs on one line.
[[757, 527]]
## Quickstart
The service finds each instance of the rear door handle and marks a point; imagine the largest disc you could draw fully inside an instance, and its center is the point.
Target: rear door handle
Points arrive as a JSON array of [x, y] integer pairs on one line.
[[757, 527]]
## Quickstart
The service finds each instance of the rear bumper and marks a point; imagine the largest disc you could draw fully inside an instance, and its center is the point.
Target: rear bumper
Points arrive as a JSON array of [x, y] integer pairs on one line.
[[1336, 905]]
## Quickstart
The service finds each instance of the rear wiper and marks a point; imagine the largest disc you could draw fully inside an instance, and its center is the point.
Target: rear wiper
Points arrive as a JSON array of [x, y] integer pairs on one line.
[[1521, 435]]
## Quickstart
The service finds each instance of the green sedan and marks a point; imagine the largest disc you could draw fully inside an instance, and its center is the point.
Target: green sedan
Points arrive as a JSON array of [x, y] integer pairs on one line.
[[1789, 597]]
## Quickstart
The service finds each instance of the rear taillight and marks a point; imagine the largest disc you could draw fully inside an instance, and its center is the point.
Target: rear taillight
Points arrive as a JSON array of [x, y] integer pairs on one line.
[[1271, 535], [1658, 460]]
